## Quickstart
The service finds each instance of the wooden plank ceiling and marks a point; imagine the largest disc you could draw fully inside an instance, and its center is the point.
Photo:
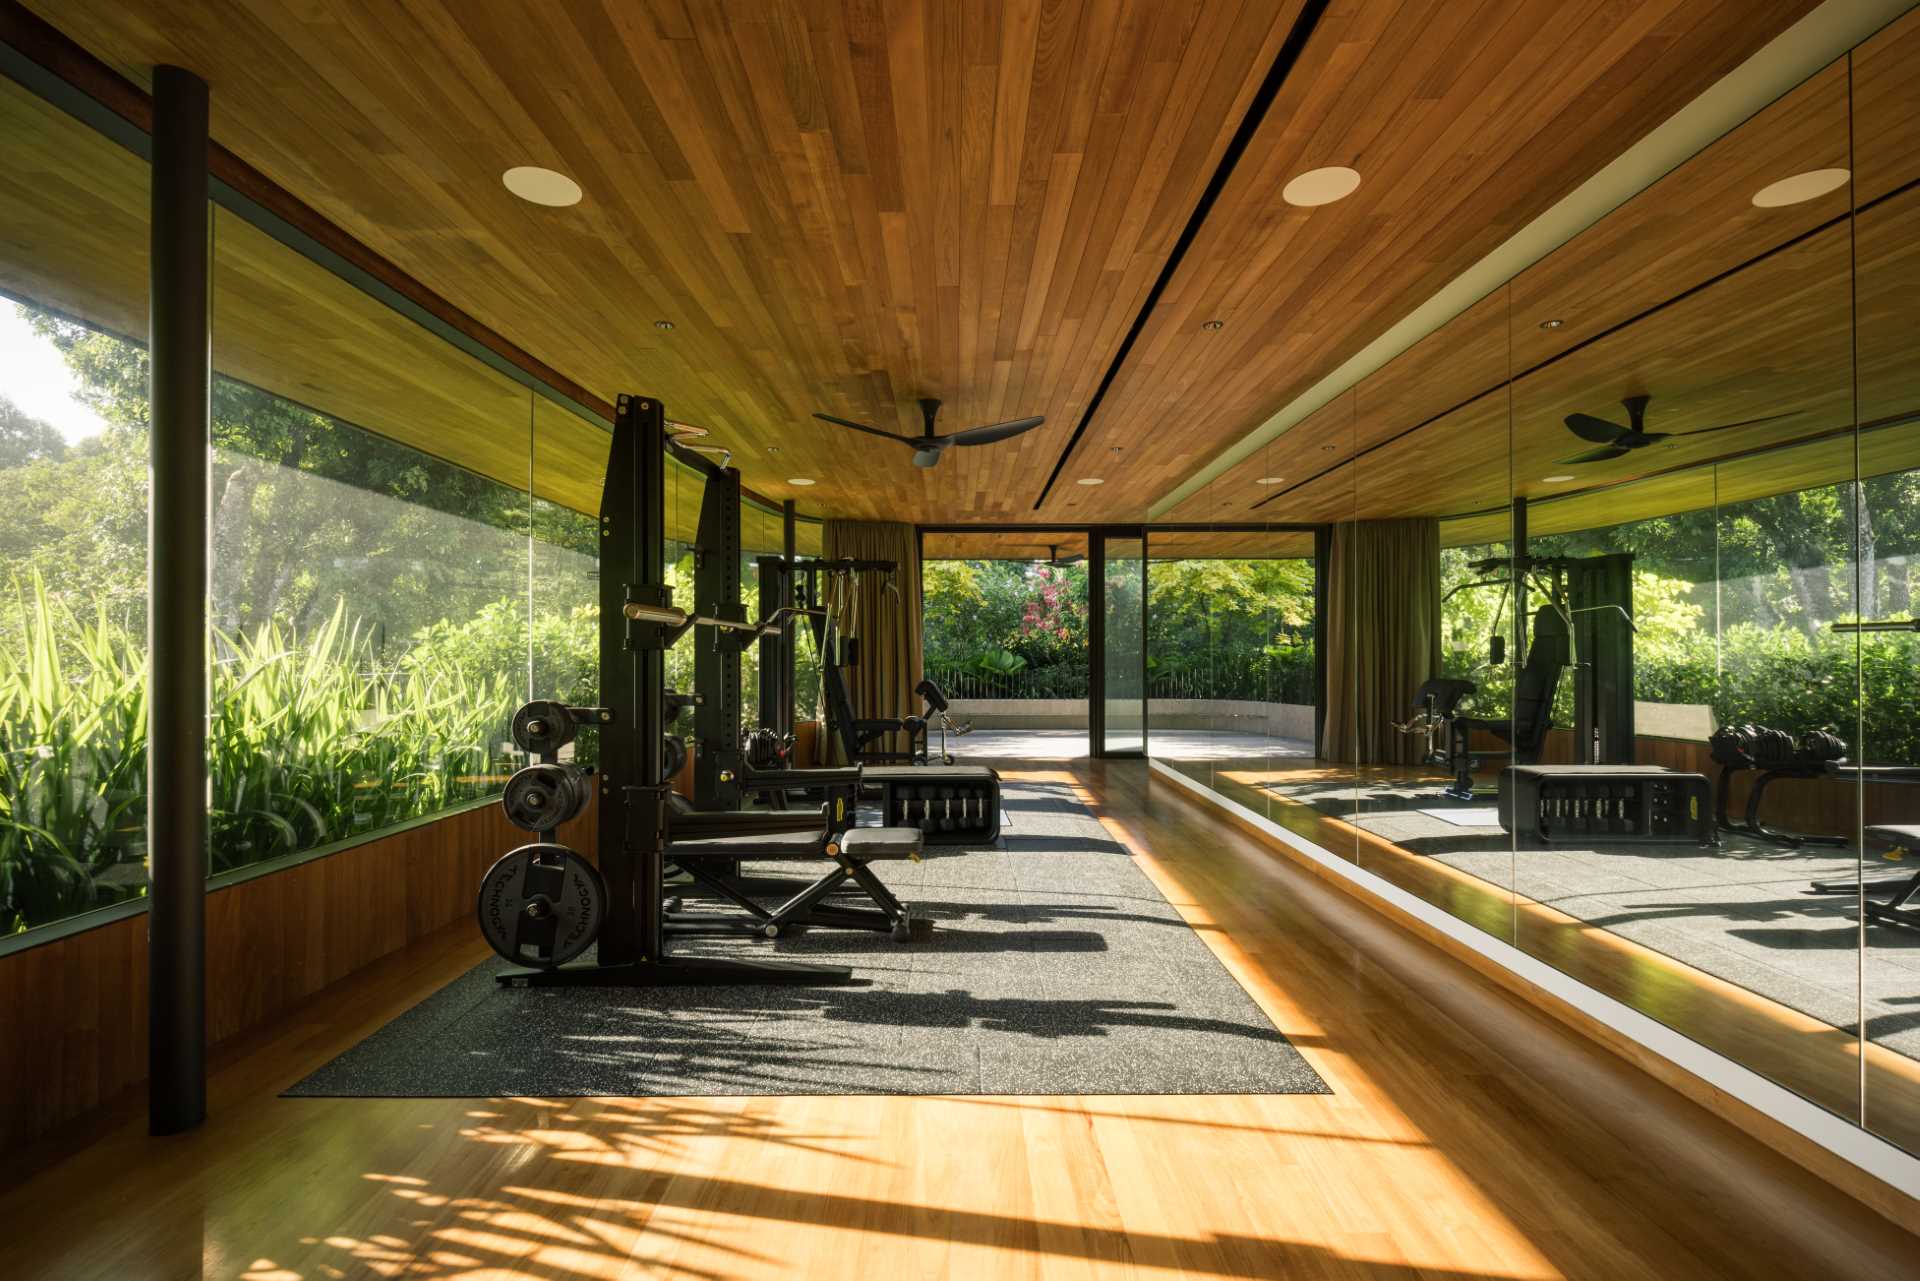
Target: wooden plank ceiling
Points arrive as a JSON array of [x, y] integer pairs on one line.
[[843, 206], [1720, 311]]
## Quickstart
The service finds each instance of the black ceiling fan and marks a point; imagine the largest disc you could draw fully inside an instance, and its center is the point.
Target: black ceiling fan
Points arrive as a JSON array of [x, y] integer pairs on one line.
[[1618, 441], [1055, 558], [928, 447]]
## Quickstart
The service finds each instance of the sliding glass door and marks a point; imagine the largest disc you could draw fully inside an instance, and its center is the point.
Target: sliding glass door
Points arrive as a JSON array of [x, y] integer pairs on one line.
[[1118, 606]]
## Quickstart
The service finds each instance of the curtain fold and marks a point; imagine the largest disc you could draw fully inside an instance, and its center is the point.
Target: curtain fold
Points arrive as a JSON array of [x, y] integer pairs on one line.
[[1383, 636], [882, 611]]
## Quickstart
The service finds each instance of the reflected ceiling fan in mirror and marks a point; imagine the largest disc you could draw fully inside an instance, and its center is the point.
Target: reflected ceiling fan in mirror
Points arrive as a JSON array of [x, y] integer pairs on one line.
[[1618, 441], [927, 447]]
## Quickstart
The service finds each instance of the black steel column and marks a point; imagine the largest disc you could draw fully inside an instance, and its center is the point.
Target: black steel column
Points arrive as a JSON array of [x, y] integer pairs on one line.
[[1096, 643], [179, 337], [632, 680], [716, 661], [1522, 617], [1322, 584], [789, 639]]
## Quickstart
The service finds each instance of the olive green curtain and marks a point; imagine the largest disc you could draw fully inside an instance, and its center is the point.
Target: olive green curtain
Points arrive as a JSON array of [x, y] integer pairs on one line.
[[882, 611], [1383, 636]]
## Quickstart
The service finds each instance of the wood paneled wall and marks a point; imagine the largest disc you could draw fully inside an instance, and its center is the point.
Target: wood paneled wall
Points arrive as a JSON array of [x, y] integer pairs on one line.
[[75, 1010]]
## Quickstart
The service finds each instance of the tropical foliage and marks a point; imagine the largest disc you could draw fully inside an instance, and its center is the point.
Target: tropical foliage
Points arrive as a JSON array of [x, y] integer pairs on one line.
[[1238, 629]]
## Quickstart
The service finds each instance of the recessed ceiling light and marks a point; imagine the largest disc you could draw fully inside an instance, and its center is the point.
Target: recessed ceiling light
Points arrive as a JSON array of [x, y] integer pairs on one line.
[[1213, 325], [1552, 324], [1555, 480], [663, 324], [542, 186], [802, 481], [1269, 480], [1328, 449], [1320, 187], [1090, 480], [1802, 186]]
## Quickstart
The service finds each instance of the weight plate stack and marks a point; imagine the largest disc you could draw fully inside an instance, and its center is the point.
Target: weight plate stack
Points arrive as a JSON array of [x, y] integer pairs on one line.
[[541, 905], [539, 798]]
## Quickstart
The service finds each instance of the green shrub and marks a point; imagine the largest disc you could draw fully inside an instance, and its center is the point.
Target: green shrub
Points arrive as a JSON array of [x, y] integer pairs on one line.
[[311, 739]]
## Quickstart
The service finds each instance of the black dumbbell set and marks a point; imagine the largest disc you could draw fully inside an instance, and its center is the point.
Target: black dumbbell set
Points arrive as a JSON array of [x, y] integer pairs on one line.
[[949, 805]]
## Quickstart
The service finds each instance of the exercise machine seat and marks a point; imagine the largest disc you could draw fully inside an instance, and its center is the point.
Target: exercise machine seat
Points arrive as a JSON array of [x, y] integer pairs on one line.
[[932, 695], [1443, 693], [1549, 652], [873, 844]]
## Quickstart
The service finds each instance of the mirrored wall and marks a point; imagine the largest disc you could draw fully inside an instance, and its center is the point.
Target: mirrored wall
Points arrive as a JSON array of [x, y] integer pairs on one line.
[[1646, 511]]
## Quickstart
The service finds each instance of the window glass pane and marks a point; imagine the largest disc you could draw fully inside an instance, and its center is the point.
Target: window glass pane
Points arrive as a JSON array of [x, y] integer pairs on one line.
[[1886, 228], [569, 463], [73, 544], [369, 527]]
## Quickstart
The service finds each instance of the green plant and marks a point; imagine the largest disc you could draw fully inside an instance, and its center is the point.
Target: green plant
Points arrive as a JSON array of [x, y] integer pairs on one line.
[[73, 724], [311, 738]]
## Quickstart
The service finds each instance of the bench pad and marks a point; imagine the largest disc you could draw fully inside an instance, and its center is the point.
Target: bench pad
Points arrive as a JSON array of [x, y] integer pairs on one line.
[[871, 844]]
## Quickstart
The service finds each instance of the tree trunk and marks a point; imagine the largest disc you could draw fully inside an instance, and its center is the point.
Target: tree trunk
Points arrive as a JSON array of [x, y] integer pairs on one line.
[[1868, 572], [230, 519], [267, 577]]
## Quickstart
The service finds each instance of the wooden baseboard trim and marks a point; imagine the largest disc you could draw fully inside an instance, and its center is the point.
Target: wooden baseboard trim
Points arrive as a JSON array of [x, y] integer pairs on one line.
[[1886, 1199]]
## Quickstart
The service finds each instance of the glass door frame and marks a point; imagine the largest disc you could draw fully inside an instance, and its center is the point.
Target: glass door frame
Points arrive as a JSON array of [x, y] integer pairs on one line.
[[1097, 593], [1097, 540]]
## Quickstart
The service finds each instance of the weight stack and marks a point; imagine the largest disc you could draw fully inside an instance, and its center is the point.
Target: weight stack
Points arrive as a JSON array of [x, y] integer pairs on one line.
[[946, 804], [1546, 805]]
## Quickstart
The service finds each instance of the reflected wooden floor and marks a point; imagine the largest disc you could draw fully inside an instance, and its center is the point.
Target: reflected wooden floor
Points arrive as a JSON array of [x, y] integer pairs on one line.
[[1467, 1135], [1808, 1056]]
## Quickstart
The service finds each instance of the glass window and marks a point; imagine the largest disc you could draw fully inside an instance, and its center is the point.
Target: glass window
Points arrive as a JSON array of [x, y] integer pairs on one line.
[[73, 546], [370, 525]]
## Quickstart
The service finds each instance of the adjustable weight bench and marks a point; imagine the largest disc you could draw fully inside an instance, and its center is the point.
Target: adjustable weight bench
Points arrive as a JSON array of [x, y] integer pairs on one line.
[[707, 860], [1892, 898]]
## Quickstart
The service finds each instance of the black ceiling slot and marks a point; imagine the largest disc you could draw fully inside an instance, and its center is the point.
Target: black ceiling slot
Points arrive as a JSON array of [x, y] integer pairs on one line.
[[1283, 64]]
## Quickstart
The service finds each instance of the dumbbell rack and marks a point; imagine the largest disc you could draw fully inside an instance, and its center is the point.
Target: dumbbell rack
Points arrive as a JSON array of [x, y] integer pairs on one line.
[[633, 824], [1775, 755], [1545, 805], [950, 805]]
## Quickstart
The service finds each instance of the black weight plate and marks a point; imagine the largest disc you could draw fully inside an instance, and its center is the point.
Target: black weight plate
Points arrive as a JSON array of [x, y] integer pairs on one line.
[[541, 797], [542, 727], [673, 756], [541, 905]]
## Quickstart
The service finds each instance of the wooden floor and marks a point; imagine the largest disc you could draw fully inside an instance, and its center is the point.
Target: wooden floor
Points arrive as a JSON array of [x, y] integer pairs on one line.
[[1467, 1135]]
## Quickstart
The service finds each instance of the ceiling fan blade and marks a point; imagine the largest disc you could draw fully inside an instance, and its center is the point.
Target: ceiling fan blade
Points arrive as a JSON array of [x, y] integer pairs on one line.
[[1744, 422], [998, 431], [1597, 430], [871, 431], [1597, 455]]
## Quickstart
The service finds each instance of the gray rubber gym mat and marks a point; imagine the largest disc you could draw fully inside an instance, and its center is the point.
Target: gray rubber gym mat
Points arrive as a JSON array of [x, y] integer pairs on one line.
[[1055, 967]]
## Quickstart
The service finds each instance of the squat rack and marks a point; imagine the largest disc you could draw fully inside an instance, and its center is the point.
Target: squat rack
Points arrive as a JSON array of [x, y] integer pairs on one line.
[[638, 621]]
